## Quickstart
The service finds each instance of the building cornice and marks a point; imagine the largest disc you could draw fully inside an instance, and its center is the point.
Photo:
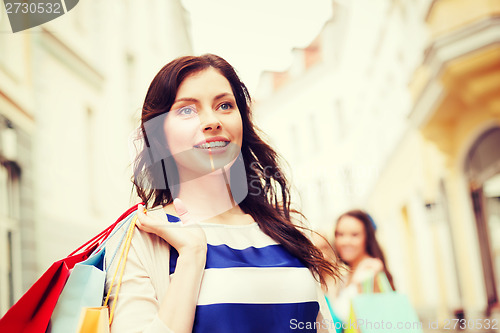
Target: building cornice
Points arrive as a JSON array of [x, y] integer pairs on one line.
[[10, 109], [71, 59], [441, 52]]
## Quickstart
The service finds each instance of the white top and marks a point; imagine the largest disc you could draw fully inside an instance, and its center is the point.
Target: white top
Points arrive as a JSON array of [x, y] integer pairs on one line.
[[248, 275]]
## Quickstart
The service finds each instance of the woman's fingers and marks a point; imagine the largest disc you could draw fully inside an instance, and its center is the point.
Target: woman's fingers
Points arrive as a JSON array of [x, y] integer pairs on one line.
[[372, 264], [182, 239], [141, 214], [182, 211], [144, 221]]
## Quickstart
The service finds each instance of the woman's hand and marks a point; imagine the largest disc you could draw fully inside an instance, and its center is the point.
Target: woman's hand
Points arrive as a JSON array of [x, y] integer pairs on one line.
[[187, 237], [366, 269]]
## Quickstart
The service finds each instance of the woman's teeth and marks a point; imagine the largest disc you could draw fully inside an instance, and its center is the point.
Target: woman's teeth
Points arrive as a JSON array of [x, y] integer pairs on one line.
[[213, 144]]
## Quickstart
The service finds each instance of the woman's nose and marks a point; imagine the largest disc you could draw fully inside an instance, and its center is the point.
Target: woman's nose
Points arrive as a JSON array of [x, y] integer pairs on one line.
[[342, 240], [209, 121]]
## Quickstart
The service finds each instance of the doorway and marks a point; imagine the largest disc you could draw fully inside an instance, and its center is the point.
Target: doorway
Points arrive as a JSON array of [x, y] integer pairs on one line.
[[482, 168]]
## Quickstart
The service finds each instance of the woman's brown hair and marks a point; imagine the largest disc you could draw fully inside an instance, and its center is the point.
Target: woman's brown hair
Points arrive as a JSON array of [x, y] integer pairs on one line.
[[371, 244], [268, 198]]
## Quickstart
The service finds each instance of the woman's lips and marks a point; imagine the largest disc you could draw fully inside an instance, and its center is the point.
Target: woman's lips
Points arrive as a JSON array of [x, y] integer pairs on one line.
[[214, 147], [347, 251]]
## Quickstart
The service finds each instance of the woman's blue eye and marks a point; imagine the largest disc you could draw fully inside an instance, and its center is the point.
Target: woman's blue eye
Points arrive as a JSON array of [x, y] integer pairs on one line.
[[225, 106], [186, 111]]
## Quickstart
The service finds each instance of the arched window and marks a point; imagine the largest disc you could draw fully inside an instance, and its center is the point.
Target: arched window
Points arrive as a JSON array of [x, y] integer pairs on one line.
[[482, 168]]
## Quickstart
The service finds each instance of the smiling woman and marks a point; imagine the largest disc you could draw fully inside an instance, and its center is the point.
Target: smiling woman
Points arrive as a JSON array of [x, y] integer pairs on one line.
[[212, 255]]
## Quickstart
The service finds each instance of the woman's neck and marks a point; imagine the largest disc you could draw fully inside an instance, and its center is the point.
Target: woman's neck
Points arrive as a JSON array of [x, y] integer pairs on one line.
[[208, 198]]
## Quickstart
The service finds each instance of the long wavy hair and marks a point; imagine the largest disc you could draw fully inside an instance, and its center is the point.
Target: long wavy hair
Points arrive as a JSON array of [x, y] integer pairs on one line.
[[268, 198], [371, 244]]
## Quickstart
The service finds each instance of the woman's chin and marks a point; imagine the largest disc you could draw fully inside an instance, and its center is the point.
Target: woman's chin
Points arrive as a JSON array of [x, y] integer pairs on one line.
[[204, 166], [349, 259], [216, 165], [212, 162]]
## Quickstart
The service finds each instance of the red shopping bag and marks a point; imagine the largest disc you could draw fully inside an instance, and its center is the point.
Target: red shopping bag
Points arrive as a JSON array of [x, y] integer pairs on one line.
[[31, 314]]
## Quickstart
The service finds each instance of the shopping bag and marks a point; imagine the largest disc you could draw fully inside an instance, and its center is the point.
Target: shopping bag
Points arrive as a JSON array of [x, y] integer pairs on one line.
[[336, 321], [386, 312], [32, 312], [84, 288], [94, 320]]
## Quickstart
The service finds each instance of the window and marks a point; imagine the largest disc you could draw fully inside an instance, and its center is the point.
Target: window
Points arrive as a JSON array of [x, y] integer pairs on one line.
[[294, 139], [10, 247], [10, 267], [90, 157], [314, 132], [339, 120]]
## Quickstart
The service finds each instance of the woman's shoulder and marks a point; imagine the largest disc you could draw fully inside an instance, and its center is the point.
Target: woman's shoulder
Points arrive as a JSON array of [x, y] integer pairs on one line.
[[152, 242], [161, 211], [148, 256], [142, 242]]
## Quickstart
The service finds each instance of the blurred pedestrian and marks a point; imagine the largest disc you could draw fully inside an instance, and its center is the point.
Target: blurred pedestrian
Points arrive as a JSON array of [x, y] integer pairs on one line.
[[357, 247]]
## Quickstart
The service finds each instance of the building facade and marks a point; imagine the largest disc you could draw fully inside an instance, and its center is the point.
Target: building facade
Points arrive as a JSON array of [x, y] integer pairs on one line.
[[456, 112], [71, 91], [394, 108]]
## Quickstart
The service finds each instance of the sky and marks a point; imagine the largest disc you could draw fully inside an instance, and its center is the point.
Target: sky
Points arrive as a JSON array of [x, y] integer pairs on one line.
[[255, 35]]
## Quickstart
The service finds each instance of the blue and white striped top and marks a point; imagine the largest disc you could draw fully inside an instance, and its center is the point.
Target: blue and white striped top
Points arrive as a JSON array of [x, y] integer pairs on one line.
[[251, 283]]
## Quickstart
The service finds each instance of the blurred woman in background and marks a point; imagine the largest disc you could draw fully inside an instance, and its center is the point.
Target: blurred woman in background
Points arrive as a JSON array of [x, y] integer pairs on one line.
[[358, 249]]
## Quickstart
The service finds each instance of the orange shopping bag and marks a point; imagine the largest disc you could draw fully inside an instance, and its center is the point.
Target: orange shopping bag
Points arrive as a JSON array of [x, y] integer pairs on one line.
[[94, 320]]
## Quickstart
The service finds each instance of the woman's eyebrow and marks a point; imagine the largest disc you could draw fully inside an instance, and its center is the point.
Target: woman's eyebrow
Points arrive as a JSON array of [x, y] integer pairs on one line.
[[186, 99], [219, 96], [194, 100]]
